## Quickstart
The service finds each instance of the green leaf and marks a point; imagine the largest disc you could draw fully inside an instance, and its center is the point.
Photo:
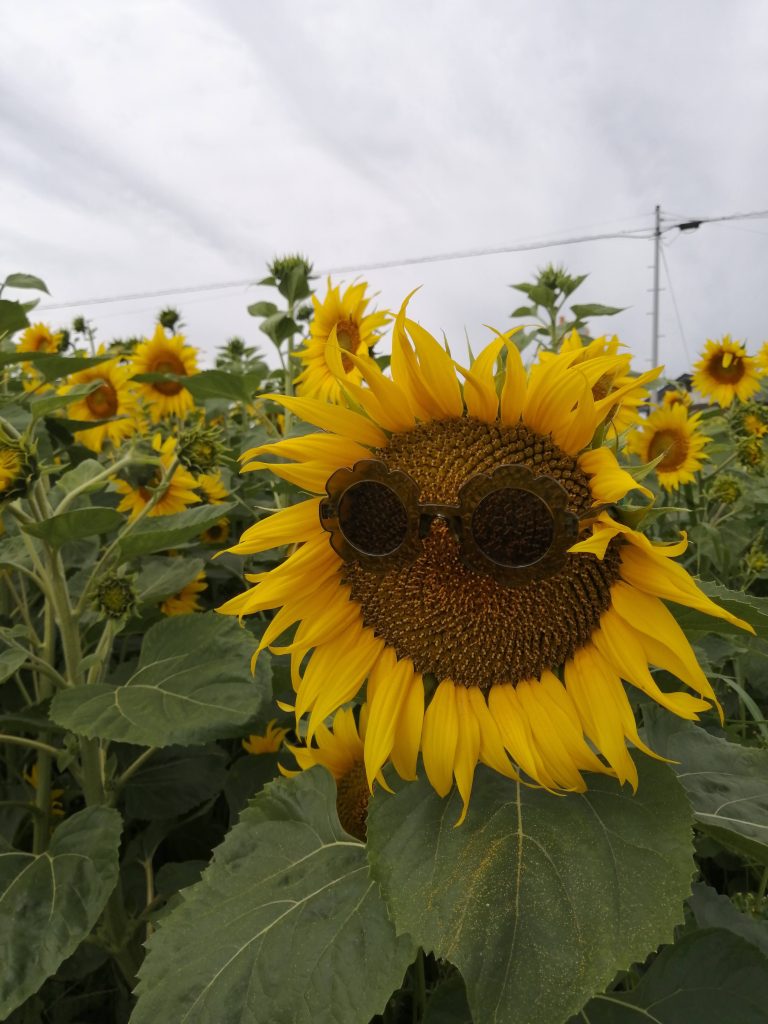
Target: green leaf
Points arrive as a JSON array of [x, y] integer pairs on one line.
[[286, 924], [54, 366], [753, 610], [163, 577], [157, 533], [278, 327], [12, 319], [26, 281], [726, 783], [537, 899], [175, 780], [712, 910], [221, 384], [75, 524], [262, 309], [583, 310], [447, 1003], [193, 684], [83, 472], [10, 661], [49, 903], [709, 977], [524, 311]]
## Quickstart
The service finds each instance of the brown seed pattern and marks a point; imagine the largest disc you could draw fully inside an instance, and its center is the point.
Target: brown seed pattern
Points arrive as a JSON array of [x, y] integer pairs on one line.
[[459, 624]]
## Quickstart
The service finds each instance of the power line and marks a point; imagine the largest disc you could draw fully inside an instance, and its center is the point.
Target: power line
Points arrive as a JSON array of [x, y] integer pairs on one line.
[[462, 254], [674, 305]]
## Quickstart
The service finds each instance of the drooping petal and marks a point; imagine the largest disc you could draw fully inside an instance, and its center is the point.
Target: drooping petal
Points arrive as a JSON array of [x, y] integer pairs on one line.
[[440, 737]]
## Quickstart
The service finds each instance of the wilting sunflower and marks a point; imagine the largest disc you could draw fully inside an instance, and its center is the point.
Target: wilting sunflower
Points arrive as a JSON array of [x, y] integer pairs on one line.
[[39, 338], [162, 354], [354, 332], [114, 397], [670, 432], [187, 600], [179, 492], [341, 750], [268, 743], [625, 414], [725, 372], [457, 550]]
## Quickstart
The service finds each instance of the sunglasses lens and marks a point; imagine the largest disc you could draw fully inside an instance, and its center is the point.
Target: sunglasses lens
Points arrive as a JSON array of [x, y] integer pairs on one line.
[[513, 527], [373, 518]]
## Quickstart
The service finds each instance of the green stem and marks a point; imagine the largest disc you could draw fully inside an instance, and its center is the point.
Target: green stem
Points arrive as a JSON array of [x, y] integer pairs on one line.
[[133, 767], [110, 471], [761, 889], [23, 741]]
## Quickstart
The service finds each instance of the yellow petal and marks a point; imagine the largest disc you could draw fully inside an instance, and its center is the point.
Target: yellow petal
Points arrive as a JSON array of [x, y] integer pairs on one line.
[[391, 681], [514, 388], [440, 737], [332, 449], [437, 369], [467, 748], [405, 751], [334, 418], [480, 395], [290, 525], [609, 482]]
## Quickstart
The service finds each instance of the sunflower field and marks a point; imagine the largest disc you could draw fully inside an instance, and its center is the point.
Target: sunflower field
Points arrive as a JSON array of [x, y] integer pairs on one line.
[[370, 681]]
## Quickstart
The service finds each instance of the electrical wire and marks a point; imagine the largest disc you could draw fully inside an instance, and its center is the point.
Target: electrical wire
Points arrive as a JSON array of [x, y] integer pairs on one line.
[[674, 305]]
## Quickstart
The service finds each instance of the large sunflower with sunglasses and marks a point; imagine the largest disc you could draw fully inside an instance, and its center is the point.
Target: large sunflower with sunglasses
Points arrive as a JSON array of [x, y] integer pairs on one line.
[[463, 553]]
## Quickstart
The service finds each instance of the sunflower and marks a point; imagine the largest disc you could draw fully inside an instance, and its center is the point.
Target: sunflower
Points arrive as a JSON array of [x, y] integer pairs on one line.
[[676, 396], [752, 419], [625, 413], [212, 488], [216, 534], [187, 600], [40, 338], [165, 355], [669, 431], [178, 494], [341, 317], [725, 372], [267, 743], [342, 751], [459, 582], [18, 467], [114, 397]]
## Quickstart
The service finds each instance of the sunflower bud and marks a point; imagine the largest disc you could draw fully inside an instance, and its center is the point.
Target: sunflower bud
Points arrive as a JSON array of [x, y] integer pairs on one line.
[[282, 266], [756, 559], [115, 596], [751, 454], [726, 489], [18, 467], [200, 449], [169, 318], [751, 420]]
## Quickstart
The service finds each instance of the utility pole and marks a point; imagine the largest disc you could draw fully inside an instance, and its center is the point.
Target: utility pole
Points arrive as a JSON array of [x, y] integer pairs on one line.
[[655, 314]]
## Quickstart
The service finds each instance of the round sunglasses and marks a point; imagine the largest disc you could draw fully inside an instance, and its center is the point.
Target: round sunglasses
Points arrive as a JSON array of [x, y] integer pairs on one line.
[[509, 524]]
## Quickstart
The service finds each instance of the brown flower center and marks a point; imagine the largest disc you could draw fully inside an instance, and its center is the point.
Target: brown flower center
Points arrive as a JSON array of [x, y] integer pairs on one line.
[[675, 446], [168, 362], [103, 401], [726, 367], [460, 624], [352, 800]]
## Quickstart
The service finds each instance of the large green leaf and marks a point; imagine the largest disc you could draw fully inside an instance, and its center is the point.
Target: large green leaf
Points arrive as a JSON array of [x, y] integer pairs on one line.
[[286, 924], [709, 977], [12, 318], [712, 910], [193, 684], [26, 281], [49, 903], [157, 533], [174, 781], [11, 660], [163, 577], [75, 524], [726, 783], [537, 899]]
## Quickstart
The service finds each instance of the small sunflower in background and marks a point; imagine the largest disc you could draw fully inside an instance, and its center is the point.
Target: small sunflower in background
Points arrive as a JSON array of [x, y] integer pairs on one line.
[[725, 372], [188, 598], [341, 749], [268, 742], [114, 397], [179, 492], [164, 354], [40, 338], [342, 314], [751, 419], [675, 435], [676, 396], [212, 487], [456, 555]]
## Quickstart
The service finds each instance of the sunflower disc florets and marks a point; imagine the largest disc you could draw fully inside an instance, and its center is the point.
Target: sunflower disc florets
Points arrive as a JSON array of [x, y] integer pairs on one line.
[[115, 596]]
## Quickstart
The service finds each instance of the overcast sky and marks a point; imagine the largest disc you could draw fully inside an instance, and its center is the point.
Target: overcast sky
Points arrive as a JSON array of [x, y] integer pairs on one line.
[[161, 144]]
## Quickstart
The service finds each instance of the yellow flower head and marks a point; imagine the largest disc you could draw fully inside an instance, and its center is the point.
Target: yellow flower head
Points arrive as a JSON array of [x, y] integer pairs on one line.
[[268, 743], [216, 534], [162, 354], [341, 320], [187, 600], [454, 532], [212, 487], [179, 492], [617, 376], [40, 338], [725, 372], [342, 751], [114, 397], [671, 432], [675, 396]]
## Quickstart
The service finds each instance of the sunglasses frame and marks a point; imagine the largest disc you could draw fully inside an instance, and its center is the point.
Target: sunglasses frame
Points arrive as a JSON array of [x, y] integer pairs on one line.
[[420, 515]]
